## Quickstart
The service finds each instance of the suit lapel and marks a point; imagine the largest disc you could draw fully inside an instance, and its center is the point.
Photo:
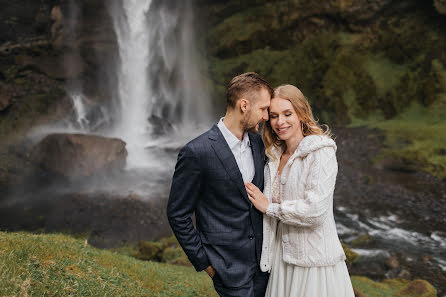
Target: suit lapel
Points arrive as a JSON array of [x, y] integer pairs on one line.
[[227, 158], [258, 160]]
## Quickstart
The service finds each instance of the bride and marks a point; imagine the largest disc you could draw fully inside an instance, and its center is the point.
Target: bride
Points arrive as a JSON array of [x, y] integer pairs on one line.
[[301, 248]]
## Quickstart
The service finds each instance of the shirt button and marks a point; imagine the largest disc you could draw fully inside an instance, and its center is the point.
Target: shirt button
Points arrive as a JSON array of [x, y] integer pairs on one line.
[[251, 237]]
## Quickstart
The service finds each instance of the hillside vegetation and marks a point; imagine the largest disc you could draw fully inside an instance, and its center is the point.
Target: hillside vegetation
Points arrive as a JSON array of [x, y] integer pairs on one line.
[[386, 72], [60, 265]]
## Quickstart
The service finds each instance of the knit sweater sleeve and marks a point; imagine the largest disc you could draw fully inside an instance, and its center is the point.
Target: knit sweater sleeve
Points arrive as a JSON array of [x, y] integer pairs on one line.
[[318, 194]]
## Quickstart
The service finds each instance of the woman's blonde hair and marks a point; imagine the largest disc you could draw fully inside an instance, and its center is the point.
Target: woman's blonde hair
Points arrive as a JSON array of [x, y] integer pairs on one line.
[[309, 125]]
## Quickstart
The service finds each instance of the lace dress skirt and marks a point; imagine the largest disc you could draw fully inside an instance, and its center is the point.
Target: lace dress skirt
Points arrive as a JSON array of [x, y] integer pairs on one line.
[[291, 280]]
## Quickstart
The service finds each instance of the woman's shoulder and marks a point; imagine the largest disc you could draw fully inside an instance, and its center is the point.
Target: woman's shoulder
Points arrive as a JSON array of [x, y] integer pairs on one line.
[[314, 143]]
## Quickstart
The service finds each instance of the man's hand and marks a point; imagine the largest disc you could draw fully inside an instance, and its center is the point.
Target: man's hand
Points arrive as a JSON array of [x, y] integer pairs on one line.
[[210, 271]]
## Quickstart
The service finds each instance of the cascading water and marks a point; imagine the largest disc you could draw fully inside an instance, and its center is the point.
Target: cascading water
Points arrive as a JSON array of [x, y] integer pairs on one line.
[[160, 89], [134, 94], [80, 111]]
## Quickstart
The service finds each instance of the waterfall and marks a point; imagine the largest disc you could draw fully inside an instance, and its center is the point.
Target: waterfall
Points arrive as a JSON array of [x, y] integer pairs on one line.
[[160, 87], [80, 111]]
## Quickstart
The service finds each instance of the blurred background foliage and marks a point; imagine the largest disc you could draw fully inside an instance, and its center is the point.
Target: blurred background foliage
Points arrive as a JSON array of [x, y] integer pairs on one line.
[[380, 64]]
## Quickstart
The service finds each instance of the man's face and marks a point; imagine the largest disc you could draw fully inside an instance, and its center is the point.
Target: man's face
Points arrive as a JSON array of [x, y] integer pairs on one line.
[[257, 112]]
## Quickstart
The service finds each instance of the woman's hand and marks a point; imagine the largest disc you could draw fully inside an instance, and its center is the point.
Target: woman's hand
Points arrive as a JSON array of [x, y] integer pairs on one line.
[[257, 198]]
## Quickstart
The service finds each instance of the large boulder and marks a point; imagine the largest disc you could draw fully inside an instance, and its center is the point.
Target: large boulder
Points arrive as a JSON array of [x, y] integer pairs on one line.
[[79, 155]]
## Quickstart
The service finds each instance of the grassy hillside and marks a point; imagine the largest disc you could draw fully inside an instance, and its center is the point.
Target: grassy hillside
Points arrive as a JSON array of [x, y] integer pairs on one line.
[[59, 265]]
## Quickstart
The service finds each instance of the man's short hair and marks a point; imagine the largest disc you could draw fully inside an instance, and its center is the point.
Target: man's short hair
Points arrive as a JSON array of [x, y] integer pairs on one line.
[[244, 85]]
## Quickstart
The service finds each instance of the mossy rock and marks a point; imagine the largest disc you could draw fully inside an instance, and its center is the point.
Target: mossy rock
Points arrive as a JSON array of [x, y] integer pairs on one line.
[[393, 287], [152, 251], [351, 256], [166, 250], [417, 288], [175, 256], [363, 240]]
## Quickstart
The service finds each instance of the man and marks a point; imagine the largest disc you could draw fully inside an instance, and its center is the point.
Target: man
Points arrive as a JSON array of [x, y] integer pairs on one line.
[[209, 180]]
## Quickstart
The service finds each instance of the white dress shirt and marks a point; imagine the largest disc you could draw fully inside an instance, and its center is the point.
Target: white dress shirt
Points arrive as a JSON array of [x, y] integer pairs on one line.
[[241, 149]]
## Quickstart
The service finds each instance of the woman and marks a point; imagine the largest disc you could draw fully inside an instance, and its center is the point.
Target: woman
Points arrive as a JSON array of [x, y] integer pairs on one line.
[[301, 248]]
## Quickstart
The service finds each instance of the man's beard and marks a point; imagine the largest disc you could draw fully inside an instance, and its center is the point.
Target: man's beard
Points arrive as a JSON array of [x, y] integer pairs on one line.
[[248, 125]]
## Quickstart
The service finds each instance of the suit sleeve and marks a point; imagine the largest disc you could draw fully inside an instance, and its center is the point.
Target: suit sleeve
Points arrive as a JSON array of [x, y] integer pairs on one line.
[[183, 199], [318, 194]]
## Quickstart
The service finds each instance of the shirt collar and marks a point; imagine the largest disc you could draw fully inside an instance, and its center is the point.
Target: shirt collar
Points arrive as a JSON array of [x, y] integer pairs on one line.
[[231, 139]]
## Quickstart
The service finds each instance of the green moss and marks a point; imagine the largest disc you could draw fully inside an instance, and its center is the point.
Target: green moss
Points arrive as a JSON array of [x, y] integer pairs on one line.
[[363, 240], [417, 288], [233, 31], [352, 257], [434, 86], [175, 255], [166, 250], [393, 287]]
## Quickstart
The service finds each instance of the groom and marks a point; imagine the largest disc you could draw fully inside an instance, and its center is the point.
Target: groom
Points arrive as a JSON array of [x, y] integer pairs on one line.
[[209, 180]]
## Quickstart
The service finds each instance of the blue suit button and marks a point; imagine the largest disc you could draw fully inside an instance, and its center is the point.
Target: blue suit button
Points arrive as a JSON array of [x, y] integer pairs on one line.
[[251, 236]]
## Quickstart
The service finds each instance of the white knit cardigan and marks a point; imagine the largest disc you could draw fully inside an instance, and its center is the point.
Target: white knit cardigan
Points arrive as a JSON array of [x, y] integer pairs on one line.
[[306, 209]]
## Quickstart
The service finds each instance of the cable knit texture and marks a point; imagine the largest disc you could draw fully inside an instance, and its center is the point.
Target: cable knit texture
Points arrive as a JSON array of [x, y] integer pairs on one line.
[[306, 209]]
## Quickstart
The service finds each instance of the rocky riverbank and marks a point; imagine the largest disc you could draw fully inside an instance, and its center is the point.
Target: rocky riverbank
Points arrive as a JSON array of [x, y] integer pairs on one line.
[[391, 211]]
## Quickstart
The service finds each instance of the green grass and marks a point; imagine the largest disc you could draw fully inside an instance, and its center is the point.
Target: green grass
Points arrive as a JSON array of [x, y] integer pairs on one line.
[[60, 265]]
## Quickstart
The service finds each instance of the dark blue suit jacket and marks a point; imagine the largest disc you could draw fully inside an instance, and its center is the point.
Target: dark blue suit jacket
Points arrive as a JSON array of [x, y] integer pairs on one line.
[[208, 182]]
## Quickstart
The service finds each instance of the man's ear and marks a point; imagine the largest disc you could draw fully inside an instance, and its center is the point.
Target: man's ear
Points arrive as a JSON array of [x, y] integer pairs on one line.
[[244, 105]]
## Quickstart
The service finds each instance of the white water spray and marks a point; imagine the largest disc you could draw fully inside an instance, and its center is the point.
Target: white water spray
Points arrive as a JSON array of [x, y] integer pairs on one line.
[[80, 111], [158, 76]]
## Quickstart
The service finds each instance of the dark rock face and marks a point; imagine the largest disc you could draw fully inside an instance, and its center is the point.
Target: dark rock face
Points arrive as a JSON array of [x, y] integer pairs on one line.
[[5, 99], [78, 155], [46, 48], [109, 220], [22, 19], [54, 44]]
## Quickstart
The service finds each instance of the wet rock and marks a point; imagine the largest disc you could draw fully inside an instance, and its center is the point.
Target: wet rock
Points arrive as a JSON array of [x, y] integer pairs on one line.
[[5, 101], [57, 26], [160, 126], [361, 10], [404, 274], [362, 240], [111, 220], [53, 66], [393, 262], [79, 155]]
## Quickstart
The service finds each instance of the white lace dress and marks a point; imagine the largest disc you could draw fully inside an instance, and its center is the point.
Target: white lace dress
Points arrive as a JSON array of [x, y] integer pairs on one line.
[[291, 280]]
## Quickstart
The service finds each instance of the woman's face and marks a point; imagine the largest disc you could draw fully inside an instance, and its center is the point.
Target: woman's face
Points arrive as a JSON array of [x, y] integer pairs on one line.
[[283, 119]]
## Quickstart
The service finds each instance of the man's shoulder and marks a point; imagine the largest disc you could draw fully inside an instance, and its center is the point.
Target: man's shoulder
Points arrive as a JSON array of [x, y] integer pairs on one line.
[[201, 141]]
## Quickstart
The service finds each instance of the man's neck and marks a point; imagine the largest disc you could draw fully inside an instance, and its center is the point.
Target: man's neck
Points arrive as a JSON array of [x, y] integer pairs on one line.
[[233, 124]]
